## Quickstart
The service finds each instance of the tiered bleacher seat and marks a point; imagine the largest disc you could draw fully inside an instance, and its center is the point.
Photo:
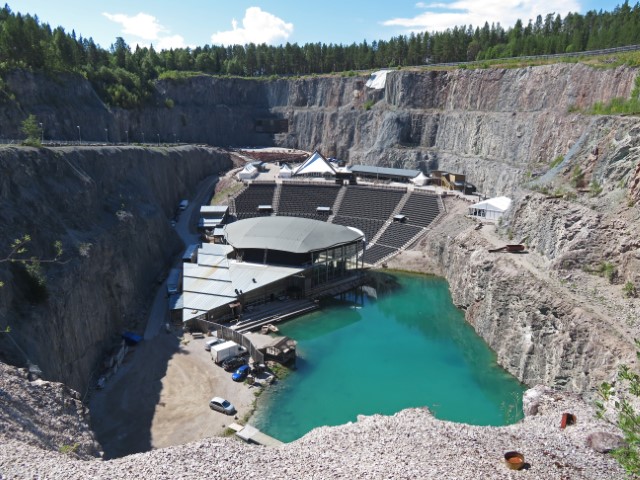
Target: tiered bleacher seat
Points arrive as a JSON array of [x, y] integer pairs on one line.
[[303, 200], [366, 202], [398, 234], [255, 194], [368, 226], [376, 253], [421, 209]]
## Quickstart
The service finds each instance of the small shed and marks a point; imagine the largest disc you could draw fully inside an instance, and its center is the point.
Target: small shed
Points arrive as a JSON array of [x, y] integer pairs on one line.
[[490, 209]]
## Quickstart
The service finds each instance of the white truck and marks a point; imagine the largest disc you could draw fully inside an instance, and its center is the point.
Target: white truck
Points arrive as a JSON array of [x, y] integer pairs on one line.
[[222, 351]]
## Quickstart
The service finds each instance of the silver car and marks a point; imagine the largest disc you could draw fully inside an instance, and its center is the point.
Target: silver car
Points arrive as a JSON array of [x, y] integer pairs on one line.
[[221, 405]]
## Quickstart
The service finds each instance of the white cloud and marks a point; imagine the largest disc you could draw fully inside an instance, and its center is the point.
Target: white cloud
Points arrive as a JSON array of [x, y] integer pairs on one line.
[[142, 25], [146, 30], [476, 12], [258, 27]]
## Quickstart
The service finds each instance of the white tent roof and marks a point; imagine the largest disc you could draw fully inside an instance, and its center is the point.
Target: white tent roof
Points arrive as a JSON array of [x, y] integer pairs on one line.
[[316, 163], [421, 179], [285, 171], [378, 79], [499, 204], [249, 171]]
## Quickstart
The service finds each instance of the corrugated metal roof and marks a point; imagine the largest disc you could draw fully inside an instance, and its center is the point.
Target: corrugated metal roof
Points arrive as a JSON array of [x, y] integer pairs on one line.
[[384, 171], [219, 209], [213, 261], [244, 274], [216, 249], [289, 234]]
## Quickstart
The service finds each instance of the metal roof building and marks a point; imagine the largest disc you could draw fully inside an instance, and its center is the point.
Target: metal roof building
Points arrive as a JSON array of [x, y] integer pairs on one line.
[[384, 172], [289, 234]]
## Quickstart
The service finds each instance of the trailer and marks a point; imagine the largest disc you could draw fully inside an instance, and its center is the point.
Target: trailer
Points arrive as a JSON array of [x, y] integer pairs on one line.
[[222, 351]]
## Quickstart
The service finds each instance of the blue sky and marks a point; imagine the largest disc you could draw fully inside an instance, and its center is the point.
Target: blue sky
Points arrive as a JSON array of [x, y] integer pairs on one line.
[[172, 24]]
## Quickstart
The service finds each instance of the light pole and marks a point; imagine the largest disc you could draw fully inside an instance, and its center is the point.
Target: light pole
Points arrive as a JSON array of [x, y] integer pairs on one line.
[[143, 138], [79, 136], [175, 138], [158, 139], [126, 132], [106, 135], [41, 133]]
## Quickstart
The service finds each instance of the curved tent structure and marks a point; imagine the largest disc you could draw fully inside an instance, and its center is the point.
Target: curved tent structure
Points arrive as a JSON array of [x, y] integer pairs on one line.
[[491, 209]]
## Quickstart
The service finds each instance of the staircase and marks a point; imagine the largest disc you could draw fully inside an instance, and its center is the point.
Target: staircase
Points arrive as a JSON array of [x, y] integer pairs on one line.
[[275, 203], [337, 203]]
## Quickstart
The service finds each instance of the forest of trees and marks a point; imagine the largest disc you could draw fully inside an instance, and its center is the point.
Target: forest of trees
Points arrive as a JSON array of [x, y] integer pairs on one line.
[[124, 76]]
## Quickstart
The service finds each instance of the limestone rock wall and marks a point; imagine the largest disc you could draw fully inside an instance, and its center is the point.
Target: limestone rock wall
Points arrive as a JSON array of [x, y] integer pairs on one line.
[[495, 124], [540, 330], [110, 208]]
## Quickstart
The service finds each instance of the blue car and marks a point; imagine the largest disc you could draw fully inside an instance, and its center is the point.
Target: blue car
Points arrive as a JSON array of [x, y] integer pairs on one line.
[[241, 373]]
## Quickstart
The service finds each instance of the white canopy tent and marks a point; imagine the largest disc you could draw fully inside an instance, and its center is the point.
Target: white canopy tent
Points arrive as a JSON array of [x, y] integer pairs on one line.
[[491, 209], [285, 171], [420, 180], [248, 172], [316, 165]]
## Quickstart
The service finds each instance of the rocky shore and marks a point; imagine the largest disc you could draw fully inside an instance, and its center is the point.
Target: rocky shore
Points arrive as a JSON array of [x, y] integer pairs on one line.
[[411, 444]]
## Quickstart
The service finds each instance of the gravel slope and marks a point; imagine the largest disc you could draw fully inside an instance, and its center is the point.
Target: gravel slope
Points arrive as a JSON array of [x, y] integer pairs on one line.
[[410, 444]]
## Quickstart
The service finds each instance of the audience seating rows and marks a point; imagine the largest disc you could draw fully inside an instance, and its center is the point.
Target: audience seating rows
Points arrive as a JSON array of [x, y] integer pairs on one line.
[[304, 199], [248, 200], [365, 202], [421, 209], [377, 252], [398, 234], [369, 227]]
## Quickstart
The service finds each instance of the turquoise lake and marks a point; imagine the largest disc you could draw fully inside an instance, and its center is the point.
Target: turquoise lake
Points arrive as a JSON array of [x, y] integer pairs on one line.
[[407, 348]]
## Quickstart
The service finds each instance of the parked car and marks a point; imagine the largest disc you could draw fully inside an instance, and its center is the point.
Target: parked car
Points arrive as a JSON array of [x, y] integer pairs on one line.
[[232, 363], [241, 373], [221, 405]]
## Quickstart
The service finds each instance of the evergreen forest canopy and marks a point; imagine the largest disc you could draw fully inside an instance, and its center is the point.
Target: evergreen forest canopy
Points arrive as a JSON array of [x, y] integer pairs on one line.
[[124, 76]]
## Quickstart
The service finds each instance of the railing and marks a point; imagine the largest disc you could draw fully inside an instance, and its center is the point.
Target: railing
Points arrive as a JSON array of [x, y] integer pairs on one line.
[[230, 334]]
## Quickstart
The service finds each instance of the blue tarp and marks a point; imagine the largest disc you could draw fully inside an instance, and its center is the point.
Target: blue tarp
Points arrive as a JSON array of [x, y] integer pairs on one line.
[[132, 338]]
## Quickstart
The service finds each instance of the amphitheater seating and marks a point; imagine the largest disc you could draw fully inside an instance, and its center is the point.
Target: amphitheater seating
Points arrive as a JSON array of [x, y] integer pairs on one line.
[[248, 200], [398, 234], [302, 200], [365, 208], [366, 202], [421, 209], [376, 253], [368, 226]]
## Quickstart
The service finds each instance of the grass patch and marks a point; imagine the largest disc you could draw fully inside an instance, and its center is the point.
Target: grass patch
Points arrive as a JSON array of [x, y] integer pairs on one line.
[[223, 194], [556, 161]]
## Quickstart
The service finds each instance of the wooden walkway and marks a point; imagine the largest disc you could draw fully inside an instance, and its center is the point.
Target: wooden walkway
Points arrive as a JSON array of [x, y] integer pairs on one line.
[[252, 435]]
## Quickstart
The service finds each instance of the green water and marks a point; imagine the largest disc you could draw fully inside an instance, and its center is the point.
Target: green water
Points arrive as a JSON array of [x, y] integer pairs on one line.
[[409, 348]]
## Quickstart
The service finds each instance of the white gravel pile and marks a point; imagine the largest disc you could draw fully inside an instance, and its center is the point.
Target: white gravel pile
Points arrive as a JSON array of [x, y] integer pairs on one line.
[[410, 444]]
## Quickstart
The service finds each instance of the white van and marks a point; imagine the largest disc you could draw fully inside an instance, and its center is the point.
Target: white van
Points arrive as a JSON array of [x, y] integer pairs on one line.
[[210, 343]]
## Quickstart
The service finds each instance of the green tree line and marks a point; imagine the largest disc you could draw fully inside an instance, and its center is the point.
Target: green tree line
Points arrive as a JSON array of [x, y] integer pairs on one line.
[[124, 76]]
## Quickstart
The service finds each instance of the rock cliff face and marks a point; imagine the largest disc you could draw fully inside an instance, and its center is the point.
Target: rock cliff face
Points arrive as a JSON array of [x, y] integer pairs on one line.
[[110, 208], [496, 126], [492, 124]]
